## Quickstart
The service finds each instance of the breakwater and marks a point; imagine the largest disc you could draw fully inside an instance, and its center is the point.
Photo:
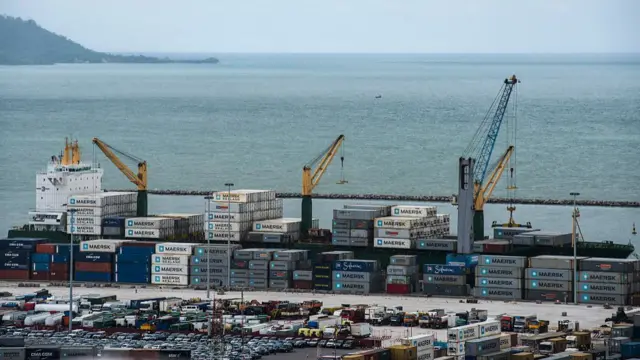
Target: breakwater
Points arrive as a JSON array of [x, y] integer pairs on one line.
[[417, 198]]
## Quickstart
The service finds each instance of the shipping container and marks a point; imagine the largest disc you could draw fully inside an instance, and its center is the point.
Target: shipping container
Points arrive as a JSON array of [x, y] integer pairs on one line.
[[264, 274], [393, 243], [151, 223], [40, 267], [499, 271], [89, 276], [132, 278], [279, 284], [352, 276], [397, 233], [14, 274], [349, 287], [203, 261], [132, 268], [21, 243], [282, 265], [322, 286], [354, 214], [42, 352], [356, 265], [341, 224], [482, 346], [603, 288], [239, 264], [258, 283], [85, 220], [240, 273], [213, 271], [498, 293], [465, 260], [12, 353], [445, 279], [259, 264], [291, 255], [455, 349], [499, 283], [303, 275], [358, 242], [508, 233], [101, 246], [414, 211], [397, 222], [437, 269], [225, 235], [39, 276], [361, 224], [16, 256], [404, 260], [133, 259], [553, 262], [402, 270], [463, 333], [549, 274], [161, 279], [612, 299], [213, 251], [608, 265], [170, 269], [549, 295], [84, 229], [398, 288], [93, 266], [503, 261], [277, 225], [228, 226], [360, 233], [561, 286], [437, 244], [303, 284], [604, 277], [489, 328], [213, 280], [162, 259]]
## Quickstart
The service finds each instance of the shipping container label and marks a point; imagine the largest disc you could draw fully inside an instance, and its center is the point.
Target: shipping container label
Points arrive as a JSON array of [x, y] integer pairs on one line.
[[445, 245], [352, 286], [443, 269], [489, 328], [601, 287], [182, 270], [499, 282], [549, 285], [353, 276], [417, 211], [168, 259], [600, 298], [97, 246], [397, 243], [346, 265], [596, 276], [498, 292], [499, 271], [275, 227], [174, 249], [169, 279], [495, 260], [392, 223], [74, 201], [550, 274], [143, 232]]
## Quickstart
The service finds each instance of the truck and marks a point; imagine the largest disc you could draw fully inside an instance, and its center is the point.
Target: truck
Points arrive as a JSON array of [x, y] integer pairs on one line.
[[580, 340], [521, 323], [360, 330], [427, 319], [168, 305], [553, 346], [410, 320]]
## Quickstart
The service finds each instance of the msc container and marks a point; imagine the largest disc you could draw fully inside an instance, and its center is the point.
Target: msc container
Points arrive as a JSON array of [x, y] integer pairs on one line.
[[170, 269], [463, 333], [603, 288], [445, 279], [560, 286], [604, 277], [402, 270], [403, 260], [351, 276], [499, 283], [393, 243], [356, 265], [437, 269], [161, 259], [549, 274], [482, 346], [612, 299], [608, 265], [553, 262], [414, 211], [437, 244], [396, 222], [161, 279], [90, 276], [497, 293], [499, 272], [351, 287], [355, 214], [502, 261]]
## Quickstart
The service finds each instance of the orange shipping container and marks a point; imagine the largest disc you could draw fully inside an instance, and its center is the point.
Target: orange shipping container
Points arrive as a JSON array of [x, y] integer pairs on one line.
[[46, 248], [14, 274]]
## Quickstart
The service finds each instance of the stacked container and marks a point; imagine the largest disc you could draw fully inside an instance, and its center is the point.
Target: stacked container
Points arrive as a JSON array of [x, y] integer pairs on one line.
[[95, 260], [353, 225], [154, 228], [603, 280], [113, 226], [475, 340], [281, 229], [283, 267], [507, 233], [448, 245], [215, 259], [133, 262], [187, 226], [356, 276], [402, 274], [503, 278], [60, 256], [85, 213], [15, 257], [423, 344], [170, 264], [550, 278], [230, 215], [444, 280], [323, 268], [259, 269]]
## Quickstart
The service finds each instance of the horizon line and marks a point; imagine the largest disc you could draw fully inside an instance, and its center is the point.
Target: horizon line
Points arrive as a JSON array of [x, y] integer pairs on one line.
[[364, 53]]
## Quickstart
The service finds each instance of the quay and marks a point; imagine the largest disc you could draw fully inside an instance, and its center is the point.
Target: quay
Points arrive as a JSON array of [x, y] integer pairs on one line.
[[416, 198]]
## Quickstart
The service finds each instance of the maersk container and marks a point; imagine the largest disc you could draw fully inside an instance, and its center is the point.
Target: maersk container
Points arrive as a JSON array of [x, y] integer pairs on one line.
[[170, 269], [355, 214], [608, 265], [340, 224], [359, 242], [225, 235], [350, 287], [351, 276], [463, 333], [213, 270], [162, 259], [101, 199], [499, 272], [437, 244], [499, 283], [259, 264], [553, 262], [240, 273], [548, 274], [85, 220], [227, 226], [291, 255], [604, 277], [21, 243], [498, 293], [393, 243], [340, 241], [203, 261], [89, 276], [603, 288], [150, 223], [548, 295], [482, 346], [222, 216], [135, 233], [133, 278], [489, 328], [397, 222], [414, 211], [102, 246], [84, 229], [162, 279], [215, 251], [258, 283], [93, 257], [437, 269], [503, 261], [283, 225], [143, 269], [213, 280], [445, 279], [561, 286], [612, 299], [264, 274], [508, 233], [356, 265], [345, 233], [303, 275]]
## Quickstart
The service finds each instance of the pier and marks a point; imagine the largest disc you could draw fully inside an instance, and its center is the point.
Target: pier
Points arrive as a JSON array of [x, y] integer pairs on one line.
[[416, 198]]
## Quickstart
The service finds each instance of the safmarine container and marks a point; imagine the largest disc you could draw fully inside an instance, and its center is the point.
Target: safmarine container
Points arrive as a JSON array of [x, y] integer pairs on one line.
[[438, 269], [356, 265]]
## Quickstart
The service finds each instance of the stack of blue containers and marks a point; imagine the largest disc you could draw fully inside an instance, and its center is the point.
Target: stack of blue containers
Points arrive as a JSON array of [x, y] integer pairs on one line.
[[93, 267], [15, 257], [40, 263], [133, 262]]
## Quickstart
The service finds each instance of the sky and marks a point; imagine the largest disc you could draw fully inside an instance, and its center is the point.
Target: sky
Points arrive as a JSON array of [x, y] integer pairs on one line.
[[341, 26]]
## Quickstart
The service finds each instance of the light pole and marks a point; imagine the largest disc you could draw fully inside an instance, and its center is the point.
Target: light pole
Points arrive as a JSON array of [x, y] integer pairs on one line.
[[229, 185], [73, 227], [575, 247], [207, 200]]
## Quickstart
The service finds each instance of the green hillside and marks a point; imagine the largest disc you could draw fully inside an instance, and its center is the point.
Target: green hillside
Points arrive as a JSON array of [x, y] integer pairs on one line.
[[24, 42]]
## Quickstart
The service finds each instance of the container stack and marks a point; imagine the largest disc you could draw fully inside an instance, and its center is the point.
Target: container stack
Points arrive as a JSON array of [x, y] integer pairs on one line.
[[444, 280], [170, 264], [16, 257], [85, 213], [95, 260], [448, 245], [230, 215], [507, 233], [153, 228], [323, 268], [133, 262], [259, 270], [60, 256], [499, 277], [187, 226], [271, 231], [402, 274], [113, 226], [215, 259], [356, 276], [424, 345], [353, 225], [550, 278], [284, 265], [406, 225], [603, 280], [475, 340], [241, 267]]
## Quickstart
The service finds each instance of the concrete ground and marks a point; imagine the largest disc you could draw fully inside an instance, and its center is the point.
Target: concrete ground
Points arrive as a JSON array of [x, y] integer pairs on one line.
[[587, 317]]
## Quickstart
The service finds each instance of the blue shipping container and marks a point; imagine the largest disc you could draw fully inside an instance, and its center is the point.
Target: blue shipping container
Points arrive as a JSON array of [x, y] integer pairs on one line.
[[137, 250], [133, 259], [115, 221], [64, 249], [355, 265], [133, 278], [438, 269], [469, 260], [21, 256], [92, 276], [38, 266], [93, 257], [323, 280], [122, 268], [323, 269], [60, 258], [12, 265], [21, 243], [41, 258], [630, 350]]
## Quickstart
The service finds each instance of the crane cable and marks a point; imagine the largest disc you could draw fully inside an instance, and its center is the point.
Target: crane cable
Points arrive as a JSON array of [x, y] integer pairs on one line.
[[342, 180]]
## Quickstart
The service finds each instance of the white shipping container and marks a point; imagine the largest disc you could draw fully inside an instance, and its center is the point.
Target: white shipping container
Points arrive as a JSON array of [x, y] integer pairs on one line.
[[393, 243], [175, 248], [397, 233], [425, 354], [414, 211], [161, 279], [148, 233], [226, 226], [233, 217], [84, 229], [225, 235], [244, 196], [101, 245], [455, 348], [101, 199], [108, 210], [277, 225], [423, 341], [505, 341], [489, 328], [397, 222], [170, 269], [85, 220], [463, 333], [163, 259], [149, 223]]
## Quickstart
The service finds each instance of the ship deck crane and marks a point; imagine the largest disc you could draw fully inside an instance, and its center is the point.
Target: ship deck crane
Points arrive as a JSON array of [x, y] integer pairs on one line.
[[481, 148], [312, 173], [140, 179]]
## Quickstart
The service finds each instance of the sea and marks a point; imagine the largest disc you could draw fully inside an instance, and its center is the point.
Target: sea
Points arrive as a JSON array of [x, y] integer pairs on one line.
[[256, 120]]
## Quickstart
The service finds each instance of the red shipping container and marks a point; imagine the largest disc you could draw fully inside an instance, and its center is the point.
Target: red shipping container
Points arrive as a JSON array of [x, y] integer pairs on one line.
[[495, 248], [40, 275], [134, 243], [14, 274], [303, 284], [46, 248], [398, 288], [58, 267], [94, 267], [28, 306], [59, 276]]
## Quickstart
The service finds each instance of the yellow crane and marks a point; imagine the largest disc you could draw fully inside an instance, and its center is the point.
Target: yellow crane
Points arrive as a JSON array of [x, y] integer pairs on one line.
[[311, 177], [139, 180]]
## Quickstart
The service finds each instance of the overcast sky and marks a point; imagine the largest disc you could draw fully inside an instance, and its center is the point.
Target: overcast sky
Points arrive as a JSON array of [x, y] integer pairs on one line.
[[355, 26]]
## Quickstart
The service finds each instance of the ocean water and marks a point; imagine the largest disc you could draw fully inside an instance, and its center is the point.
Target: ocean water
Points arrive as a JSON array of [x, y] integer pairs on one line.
[[255, 120]]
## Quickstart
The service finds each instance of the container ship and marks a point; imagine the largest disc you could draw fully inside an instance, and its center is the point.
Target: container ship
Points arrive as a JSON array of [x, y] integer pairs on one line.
[[70, 201]]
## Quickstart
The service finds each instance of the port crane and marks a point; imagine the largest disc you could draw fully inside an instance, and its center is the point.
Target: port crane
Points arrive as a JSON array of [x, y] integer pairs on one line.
[[312, 173], [139, 180], [480, 150]]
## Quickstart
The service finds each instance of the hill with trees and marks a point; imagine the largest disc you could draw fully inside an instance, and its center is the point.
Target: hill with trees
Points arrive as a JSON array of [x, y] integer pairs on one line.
[[24, 42]]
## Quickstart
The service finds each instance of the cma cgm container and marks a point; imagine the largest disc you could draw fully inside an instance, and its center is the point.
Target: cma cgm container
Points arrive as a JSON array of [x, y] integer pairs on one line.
[[21, 243]]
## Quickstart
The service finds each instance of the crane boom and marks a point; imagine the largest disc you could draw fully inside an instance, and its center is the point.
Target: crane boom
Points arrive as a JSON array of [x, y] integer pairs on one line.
[[484, 193], [311, 177], [139, 179]]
